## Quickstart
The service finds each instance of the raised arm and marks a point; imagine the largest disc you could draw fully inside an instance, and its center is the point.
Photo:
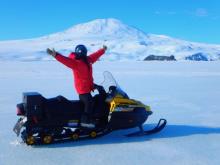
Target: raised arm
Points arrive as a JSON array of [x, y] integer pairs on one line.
[[69, 62], [95, 56]]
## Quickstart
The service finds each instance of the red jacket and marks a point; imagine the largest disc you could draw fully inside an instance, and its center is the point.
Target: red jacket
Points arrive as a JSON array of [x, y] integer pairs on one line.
[[83, 78]]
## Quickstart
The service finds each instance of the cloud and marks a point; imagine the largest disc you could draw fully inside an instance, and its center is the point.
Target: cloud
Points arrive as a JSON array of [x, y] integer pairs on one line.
[[157, 12], [165, 12], [172, 12], [215, 18], [201, 12]]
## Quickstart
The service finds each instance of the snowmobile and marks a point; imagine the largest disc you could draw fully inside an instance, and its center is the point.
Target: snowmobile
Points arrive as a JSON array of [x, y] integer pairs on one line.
[[46, 121]]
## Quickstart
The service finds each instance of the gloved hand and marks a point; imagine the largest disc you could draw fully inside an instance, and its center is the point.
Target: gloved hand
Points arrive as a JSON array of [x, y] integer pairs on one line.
[[51, 52], [100, 89], [105, 47]]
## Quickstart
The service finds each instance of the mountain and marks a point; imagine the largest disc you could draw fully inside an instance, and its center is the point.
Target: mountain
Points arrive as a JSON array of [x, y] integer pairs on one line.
[[124, 43]]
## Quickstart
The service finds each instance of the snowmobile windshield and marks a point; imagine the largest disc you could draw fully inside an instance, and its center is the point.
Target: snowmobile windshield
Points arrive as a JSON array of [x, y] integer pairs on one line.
[[111, 86]]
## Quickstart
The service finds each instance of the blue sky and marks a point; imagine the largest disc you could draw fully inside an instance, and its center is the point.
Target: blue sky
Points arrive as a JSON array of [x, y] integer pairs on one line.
[[193, 20]]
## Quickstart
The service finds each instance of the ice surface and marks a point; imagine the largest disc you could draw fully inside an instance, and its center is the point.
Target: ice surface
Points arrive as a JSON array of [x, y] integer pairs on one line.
[[185, 93]]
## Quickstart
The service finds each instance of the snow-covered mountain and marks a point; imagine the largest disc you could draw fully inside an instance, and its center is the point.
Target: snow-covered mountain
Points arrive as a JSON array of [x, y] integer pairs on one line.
[[124, 43]]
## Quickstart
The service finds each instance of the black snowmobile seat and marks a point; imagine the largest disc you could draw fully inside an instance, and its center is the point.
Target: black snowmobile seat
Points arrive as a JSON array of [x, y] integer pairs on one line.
[[60, 107]]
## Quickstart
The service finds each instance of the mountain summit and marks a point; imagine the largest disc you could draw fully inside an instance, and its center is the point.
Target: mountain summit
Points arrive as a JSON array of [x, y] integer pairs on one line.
[[101, 28], [124, 43]]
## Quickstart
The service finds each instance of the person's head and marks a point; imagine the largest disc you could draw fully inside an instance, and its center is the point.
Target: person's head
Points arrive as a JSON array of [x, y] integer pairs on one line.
[[81, 51]]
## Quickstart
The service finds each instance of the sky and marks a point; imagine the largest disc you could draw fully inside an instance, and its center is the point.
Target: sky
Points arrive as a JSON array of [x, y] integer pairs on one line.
[[192, 20]]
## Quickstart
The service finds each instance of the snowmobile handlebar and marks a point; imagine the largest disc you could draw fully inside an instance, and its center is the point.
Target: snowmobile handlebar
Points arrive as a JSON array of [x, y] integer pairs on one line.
[[100, 89]]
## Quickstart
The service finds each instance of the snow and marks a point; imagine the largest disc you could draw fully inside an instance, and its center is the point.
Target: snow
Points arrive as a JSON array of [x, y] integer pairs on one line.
[[185, 93], [126, 43]]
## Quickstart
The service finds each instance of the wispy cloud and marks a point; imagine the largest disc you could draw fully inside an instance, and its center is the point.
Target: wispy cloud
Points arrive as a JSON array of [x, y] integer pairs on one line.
[[157, 12], [171, 12], [165, 12], [198, 12], [215, 17], [201, 12]]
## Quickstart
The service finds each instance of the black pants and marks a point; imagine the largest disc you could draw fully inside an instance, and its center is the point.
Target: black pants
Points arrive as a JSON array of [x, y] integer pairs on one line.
[[88, 104]]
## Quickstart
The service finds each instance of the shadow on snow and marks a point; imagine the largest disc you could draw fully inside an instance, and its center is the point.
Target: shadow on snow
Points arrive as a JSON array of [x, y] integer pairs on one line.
[[170, 131]]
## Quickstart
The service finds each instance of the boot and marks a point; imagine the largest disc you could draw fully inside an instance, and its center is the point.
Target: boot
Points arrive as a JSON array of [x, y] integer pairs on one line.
[[87, 122]]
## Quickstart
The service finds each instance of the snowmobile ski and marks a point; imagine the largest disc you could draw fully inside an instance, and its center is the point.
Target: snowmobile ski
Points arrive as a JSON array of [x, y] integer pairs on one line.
[[161, 124]]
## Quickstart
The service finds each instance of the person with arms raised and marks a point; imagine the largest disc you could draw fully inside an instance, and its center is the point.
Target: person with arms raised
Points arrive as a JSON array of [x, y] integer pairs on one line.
[[81, 65]]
